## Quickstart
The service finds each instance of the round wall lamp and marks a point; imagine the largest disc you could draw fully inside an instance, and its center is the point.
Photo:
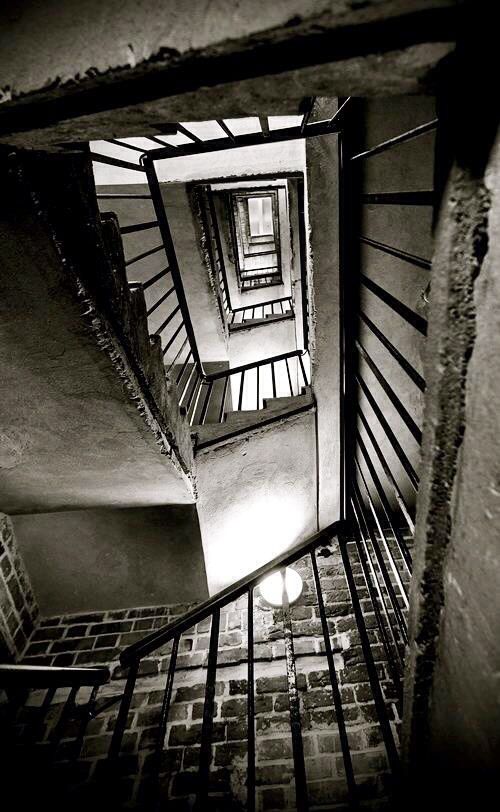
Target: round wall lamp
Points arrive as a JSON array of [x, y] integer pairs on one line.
[[271, 588]]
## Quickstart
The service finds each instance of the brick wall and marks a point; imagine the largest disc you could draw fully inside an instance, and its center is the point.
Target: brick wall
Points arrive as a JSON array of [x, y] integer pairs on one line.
[[18, 607], [98, 638]]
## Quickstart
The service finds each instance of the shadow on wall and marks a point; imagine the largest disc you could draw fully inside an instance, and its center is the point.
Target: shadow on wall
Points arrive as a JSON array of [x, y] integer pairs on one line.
[[86, 560]]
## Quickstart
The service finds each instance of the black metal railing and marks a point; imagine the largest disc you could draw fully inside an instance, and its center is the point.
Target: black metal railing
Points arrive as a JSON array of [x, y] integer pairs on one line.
[[263, 278], [158, 771], [270, 309], [172, 634], [382, 396], [45, 719], [207, 398], [234, 316]]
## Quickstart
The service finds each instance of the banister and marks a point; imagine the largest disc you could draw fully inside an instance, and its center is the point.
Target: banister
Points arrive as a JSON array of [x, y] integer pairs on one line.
[[213, 376], [49, 676], [160, 637], [262, 304]]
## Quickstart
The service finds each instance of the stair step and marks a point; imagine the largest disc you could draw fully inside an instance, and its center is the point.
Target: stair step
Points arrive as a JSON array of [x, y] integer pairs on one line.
[[242, 422], [271, 403]]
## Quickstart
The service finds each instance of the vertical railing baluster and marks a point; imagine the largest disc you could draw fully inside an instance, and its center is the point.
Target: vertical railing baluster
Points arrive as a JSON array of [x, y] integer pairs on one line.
[[250, 710], [395, 570], [383, 569], [201, 384], [222, 410], [385, 726], [193, 391], [289, 377], [87, 712], [303, 370], [172, 338], [378, 601], [162, 725], [273, 377], [161, 216], [293, 698], [398, 493], [372, 578], [177, 355], [208, 714], [258, 387], [44, 707], [206, 402], [242, 383], [64, 716], [182, 371], [337, 700], [121, 720], [187, 384], [405, 553]]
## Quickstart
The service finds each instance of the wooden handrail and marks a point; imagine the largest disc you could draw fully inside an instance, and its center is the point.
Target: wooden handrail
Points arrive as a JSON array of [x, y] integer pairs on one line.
[[160, 637], [47, 676]]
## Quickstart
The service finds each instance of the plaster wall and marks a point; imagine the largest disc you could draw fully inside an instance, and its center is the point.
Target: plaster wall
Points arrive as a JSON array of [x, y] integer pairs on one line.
[[72, 435], [51, 49], [91, 560], [322, 193], [186, 236], [452, 710], [257, 498]]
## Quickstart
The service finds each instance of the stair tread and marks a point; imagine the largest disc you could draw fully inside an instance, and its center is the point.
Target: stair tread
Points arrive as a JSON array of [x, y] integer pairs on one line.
[[252, 418]]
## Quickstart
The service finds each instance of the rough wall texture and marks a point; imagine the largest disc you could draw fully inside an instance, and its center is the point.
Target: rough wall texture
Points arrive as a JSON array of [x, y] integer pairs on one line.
[[324, 291], [97, 638], [452, 711], [131, 55], [89, 560], [257, 497], [18, 606], [85, 397]]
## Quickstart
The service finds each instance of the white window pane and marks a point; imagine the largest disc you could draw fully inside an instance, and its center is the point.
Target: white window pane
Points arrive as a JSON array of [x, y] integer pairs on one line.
[[260, 215]]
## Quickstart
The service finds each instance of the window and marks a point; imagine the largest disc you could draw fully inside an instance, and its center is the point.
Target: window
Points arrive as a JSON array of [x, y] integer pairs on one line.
[[260, 216]]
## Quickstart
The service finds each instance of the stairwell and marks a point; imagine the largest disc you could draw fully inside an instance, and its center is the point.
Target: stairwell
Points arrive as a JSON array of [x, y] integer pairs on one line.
[[332, 669]]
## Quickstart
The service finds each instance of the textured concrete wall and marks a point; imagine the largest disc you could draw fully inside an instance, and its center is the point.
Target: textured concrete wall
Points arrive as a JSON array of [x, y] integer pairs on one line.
[[88, 560], [97, 638], [324, 293], [452, 710], [98, 47], [81, 415], [18, 606], [257, 497]]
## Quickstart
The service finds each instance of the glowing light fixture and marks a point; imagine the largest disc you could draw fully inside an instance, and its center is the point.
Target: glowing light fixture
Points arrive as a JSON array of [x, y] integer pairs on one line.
[[271, 588]]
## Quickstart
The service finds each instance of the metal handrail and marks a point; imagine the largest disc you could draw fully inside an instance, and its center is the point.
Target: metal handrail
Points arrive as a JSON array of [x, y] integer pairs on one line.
[[215, 376], [158, 638], [262, 304], [49, 676]]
